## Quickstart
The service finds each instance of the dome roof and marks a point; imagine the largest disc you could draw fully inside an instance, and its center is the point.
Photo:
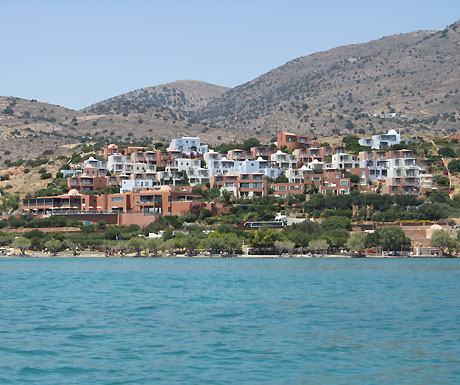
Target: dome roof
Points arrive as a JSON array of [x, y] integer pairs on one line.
[[73, 192]]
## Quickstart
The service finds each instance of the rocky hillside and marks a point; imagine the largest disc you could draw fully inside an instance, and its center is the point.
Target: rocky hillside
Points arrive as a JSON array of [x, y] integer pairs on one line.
[[409, 80], [28, 128], [181, 98]]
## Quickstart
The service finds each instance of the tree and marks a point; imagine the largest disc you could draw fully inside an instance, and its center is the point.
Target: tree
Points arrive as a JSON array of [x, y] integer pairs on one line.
[[265, 238], [136, 244], [205, 213], [53, 245], [8, 110], [282, 246], [357, 242], [190, 242], [302, 233], [439, 197], [251, 142], [433, 211], [444, 241], [231, 243], [153, 245], [281, 179], [318, 245], [174, 220], [22, 244], [168, 234], [447, 152], [454, 165], [390, 238], [227, 195]]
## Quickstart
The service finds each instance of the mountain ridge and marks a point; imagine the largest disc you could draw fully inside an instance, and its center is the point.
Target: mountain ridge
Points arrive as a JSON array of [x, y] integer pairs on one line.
[[409, 81]]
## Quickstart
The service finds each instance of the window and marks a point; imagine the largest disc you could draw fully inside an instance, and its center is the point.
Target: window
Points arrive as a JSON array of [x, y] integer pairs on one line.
[[117, 199], [343, 183]]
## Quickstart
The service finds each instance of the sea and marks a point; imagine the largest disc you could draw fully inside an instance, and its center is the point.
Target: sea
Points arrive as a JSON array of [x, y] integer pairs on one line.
[[229, 321]]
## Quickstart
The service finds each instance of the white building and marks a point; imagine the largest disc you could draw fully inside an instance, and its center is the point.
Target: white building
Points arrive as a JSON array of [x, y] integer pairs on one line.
[[188, 145], [382, 141], [95, 163], [198, 176], [345, 161], [187, 163], [224, 166], [220, 166], [297, 175], [284, 161], [171, 176], [129, 185], [260, 166], [317, 165], [123, 164]]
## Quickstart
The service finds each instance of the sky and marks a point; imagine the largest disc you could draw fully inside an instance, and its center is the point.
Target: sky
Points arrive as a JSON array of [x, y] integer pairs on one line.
[[75, 53]]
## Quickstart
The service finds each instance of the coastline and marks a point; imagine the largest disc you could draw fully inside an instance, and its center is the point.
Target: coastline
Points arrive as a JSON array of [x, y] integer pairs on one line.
[[93, 254]]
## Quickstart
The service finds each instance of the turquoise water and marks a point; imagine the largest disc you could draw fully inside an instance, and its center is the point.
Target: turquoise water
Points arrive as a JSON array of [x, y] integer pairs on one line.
[[229, 321]]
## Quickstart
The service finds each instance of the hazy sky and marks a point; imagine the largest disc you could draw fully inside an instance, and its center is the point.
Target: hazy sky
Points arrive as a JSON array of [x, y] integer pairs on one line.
[[75, 53]]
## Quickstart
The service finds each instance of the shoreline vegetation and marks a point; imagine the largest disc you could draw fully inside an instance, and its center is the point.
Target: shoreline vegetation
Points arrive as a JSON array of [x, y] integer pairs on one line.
[[96, 254]]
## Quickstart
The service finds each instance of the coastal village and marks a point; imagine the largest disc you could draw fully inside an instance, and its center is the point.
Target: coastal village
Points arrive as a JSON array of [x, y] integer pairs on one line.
[[384, 195]]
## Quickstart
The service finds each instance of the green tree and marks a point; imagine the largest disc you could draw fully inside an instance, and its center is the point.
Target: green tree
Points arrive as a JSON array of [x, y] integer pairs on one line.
[[357, 243], [454, 165], [302, 233], [444, 241], [282, 246], [22, 244], [318, 245], [335, 222], [227, 196], [390, 238], [265, 239], [231, 243], [190, 242], [447, 152], [168, 234], [153, 245], [205, 213], [53, 245], [433, 211], [251, 142], [136, 244]]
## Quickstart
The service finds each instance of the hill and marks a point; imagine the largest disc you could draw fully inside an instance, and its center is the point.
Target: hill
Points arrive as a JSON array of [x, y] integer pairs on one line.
[[180, 97], [28, 128], [408, 80]]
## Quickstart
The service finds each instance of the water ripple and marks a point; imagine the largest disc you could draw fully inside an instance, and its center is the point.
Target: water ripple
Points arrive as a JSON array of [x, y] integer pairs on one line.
[[232, 321]]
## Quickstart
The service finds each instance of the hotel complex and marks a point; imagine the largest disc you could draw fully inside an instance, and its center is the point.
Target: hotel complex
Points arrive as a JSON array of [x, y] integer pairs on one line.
[[160, 182]]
